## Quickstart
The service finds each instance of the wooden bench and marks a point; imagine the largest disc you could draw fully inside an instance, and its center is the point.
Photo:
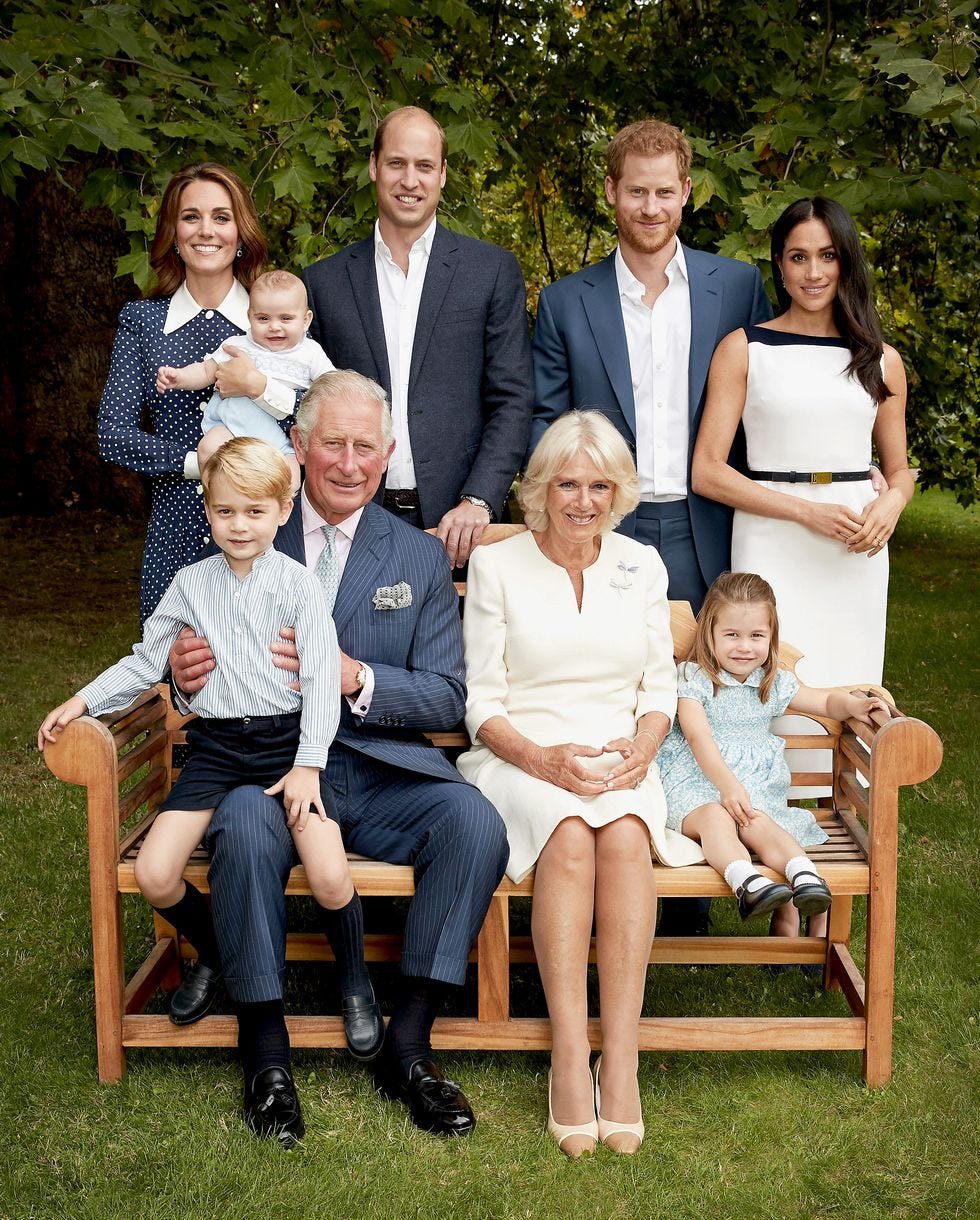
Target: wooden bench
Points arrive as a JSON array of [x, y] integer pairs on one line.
[[126, 763]]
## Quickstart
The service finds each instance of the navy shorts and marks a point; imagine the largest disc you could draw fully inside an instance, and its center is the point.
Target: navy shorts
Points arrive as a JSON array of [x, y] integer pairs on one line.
[[225, 754]]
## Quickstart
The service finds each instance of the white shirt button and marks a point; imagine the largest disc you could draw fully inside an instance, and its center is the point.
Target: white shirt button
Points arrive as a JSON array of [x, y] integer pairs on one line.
[[209, 314]]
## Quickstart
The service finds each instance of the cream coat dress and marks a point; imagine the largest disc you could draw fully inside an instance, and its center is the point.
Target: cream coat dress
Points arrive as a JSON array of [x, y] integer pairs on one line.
[[562, 675]]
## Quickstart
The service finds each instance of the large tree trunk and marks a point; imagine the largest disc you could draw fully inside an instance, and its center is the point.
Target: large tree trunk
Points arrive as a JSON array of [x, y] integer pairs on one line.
[[58, 308]]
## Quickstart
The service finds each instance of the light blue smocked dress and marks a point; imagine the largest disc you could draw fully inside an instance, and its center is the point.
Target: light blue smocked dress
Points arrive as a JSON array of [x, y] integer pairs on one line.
[[739, 722]]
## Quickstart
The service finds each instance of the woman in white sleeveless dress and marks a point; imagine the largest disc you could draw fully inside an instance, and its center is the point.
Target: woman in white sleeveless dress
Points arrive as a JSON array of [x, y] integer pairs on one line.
[[814, 389]]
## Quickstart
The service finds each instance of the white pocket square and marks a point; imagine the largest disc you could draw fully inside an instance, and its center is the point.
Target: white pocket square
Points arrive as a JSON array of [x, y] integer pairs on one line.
[[393, 597]]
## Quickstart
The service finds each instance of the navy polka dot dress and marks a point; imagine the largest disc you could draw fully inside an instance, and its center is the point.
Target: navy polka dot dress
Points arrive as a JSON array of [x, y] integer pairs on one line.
[[130, 405]]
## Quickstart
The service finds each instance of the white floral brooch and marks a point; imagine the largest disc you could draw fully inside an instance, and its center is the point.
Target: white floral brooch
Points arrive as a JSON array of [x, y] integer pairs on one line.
[[624, 579], [393, 597]]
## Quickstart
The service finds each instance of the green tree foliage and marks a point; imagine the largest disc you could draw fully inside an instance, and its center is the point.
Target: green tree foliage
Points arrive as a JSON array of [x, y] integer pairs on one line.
[[875, 105]]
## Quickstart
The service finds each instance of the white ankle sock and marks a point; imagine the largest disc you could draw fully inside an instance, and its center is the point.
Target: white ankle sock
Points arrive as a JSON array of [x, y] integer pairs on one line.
[[736, 873], [800, 864]]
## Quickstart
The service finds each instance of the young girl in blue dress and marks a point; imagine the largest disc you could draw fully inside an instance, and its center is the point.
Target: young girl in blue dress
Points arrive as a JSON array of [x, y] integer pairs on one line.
[[724, 772]]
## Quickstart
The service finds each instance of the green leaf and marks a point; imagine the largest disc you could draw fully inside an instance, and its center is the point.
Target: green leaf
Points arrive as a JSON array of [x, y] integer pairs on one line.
[[297, 181]]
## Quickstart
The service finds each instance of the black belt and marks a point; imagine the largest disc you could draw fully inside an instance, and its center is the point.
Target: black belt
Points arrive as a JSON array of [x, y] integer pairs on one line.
[[810, 476], [405, 498]]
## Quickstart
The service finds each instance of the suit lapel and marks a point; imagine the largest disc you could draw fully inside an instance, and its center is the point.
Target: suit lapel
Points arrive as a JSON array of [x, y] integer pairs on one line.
[[439, 273], [289, 538], [600, 299], [369, 550], [364, 285], [706, 298]]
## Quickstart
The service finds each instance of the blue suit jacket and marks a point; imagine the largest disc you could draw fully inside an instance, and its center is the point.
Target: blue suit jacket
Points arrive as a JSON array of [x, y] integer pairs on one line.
[[469, 388], [416, 652], [581, 362]]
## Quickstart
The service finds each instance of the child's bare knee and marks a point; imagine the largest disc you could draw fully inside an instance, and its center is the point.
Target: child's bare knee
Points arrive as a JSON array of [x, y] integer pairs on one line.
[[332, 886]]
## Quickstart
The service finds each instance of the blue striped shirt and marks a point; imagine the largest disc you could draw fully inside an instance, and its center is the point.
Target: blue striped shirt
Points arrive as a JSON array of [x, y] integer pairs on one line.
[[240, 619]]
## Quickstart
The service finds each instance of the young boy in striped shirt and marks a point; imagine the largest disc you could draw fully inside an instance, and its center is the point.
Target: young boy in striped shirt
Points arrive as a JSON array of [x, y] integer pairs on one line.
[[251, 728]]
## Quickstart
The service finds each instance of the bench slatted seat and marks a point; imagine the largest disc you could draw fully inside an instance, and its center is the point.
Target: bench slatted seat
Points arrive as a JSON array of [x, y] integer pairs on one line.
[[126, 763]]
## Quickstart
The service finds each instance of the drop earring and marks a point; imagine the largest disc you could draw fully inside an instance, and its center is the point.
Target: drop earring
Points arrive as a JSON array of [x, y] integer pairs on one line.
[[239, 252]]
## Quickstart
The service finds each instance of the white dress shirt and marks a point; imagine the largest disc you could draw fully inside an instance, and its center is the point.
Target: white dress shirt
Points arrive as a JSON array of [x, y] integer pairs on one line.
[[239, 618], [313, 543], [400, 295], [659, 345]]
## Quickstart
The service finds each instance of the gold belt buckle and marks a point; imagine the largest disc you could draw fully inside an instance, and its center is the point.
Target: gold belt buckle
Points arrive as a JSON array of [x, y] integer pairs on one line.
[[821, 476]]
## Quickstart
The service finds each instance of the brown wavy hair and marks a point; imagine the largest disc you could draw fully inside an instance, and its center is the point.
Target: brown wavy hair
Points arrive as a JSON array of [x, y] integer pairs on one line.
[[735, 589], [648, 138], [164, 258]]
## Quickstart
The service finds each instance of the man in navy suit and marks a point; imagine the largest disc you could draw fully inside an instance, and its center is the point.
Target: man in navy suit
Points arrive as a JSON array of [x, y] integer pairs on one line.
[[633, 337], [439, 320], [398, 798]]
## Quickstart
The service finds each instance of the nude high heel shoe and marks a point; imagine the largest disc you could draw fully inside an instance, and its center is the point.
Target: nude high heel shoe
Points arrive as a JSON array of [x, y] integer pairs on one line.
[[624, 1138], [560, 1132]]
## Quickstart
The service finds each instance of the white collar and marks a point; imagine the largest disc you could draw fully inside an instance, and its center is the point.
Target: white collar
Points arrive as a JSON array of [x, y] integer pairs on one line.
[[183, 307], [629, 285], [312, 521], [423, 241]]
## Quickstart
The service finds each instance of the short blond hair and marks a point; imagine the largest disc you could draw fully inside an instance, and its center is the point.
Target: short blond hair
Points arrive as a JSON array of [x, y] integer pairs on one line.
[[252, 467], [280, 281], [343, 383], [648, 138], [579, 434]]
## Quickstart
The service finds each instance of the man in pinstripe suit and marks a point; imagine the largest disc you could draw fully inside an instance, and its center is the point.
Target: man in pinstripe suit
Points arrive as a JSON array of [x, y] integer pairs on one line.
[[398, 798]]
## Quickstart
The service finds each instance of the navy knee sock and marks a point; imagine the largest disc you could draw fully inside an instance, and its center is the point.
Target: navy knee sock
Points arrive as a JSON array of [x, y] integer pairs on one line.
[[345, 931], [410, 1027], [191, 916], [263, 1041]]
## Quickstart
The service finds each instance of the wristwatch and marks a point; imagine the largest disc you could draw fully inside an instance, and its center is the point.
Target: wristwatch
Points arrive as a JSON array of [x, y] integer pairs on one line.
[[360, 677], [479, 503]]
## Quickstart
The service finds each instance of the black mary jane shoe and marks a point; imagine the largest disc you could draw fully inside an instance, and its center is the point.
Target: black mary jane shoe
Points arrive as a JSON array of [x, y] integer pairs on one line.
[[762, 901], [270, 1107], [811, 897], [435, 1103], [195, 997], [363, 1027]]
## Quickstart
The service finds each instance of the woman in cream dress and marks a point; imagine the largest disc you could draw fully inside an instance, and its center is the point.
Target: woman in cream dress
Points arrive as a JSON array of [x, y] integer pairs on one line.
[[572, 688]]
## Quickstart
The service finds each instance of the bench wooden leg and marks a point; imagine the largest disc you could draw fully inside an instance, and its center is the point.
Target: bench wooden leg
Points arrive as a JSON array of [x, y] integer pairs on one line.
[[880, 984], [493, 962], [107, 963], [838, 933]]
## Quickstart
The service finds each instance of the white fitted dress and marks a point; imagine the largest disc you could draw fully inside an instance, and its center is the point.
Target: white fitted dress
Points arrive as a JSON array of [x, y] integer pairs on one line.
[[803, 412], [563, 675]]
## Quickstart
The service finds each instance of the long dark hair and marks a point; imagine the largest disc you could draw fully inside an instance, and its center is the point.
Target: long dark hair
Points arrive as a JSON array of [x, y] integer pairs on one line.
[[854, 307], [164, 259]]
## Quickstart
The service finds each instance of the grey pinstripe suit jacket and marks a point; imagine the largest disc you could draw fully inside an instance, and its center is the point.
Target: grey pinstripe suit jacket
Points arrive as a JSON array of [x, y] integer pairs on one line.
[[416, 652]]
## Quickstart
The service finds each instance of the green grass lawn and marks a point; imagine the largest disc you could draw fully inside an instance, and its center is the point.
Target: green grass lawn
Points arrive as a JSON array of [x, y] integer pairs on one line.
[[746, 1135]]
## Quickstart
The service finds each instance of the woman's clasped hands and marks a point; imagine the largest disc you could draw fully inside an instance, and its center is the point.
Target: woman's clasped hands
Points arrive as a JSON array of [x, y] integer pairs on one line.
[[589, 770]]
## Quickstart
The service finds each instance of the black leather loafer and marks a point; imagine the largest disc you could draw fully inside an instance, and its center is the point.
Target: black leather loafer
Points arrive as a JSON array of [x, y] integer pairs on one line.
[[363, 1026], [434, 1102], [271, 1108], [764, 900], [811, 897], [195, 997]]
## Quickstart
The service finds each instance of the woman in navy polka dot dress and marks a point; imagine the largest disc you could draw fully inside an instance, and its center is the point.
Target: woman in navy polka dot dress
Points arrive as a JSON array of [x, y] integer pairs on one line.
[[207, 250]]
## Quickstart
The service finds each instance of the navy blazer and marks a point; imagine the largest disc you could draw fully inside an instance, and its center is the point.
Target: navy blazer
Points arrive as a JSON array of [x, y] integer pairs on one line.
[[581, 362], [416, 652], [469, 388]]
